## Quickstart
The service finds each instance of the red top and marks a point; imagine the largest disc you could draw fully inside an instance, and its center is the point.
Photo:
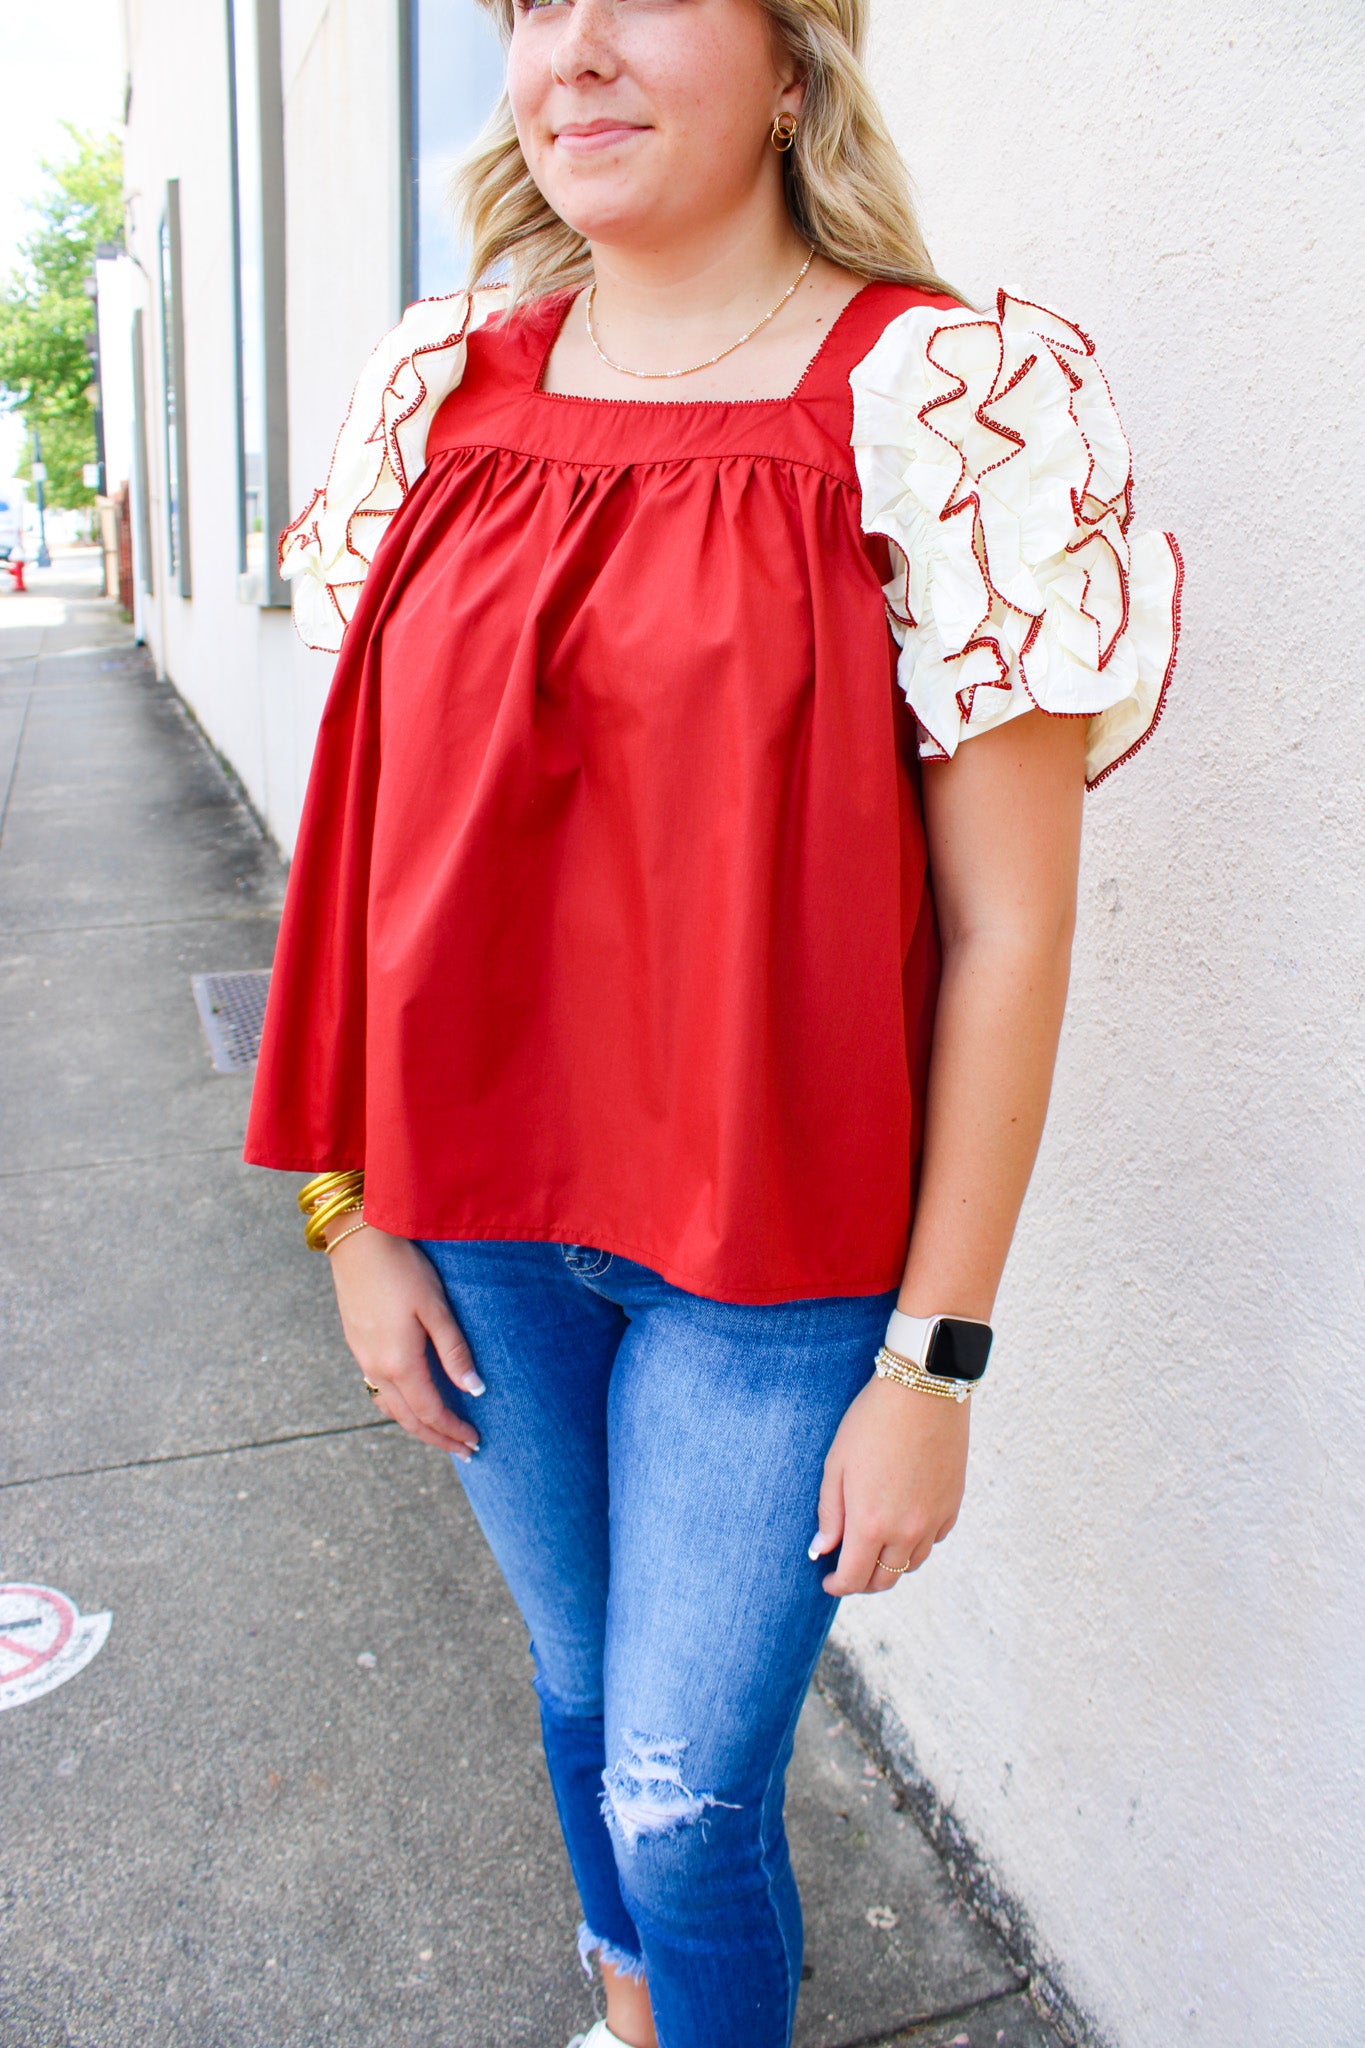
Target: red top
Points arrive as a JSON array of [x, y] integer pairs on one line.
[[610, 920]]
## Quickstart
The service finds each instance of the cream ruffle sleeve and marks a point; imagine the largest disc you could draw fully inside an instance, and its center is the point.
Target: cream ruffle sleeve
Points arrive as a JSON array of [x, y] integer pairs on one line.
[[991, 456], [379, 455]]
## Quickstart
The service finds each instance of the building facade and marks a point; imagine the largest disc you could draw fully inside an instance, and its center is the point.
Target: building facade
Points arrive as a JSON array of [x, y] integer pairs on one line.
[[281, 212], [1134, 1677]]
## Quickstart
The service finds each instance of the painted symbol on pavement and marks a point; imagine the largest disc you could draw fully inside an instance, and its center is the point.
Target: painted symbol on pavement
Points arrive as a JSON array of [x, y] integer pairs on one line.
[[44, 1640]]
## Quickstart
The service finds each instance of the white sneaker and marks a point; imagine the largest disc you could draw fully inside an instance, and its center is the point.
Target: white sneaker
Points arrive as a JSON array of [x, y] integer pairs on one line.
[[600, 2037]]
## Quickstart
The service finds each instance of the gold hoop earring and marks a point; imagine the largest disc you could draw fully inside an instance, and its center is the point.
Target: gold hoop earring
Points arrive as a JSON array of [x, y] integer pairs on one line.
[[784, 132]]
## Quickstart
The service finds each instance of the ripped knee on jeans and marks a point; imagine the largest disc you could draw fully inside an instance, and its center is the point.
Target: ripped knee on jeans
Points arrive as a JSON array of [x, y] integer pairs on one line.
[[644, 1794]]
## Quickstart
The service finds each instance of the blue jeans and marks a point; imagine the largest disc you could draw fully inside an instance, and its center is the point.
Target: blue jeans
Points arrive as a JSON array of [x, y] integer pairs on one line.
[[647, 1481]]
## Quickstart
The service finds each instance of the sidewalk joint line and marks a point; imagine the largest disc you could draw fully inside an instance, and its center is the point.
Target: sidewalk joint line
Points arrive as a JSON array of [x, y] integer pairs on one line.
[[150, 924], [297, 1436], [106, 1165], [13, 775], [945, 2017]]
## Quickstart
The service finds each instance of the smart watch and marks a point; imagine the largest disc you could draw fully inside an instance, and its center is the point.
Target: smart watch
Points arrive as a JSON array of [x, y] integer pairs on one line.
[[936, 1354]]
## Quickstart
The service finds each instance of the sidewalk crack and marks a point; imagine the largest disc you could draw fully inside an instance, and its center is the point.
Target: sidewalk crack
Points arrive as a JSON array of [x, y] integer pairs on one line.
[[11, 778], [979, 2008], [265, 1443], [126, 1159]]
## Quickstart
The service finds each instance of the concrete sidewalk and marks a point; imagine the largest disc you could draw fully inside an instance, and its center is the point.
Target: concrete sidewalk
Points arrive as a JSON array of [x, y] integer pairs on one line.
[[296, 1799]]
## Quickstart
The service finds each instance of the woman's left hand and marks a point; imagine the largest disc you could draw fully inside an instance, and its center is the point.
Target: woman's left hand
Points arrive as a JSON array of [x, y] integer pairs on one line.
[[892, 1484]]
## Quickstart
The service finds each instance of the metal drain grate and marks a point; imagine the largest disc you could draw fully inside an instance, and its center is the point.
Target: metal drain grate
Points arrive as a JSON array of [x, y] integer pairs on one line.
[[232, 1010]]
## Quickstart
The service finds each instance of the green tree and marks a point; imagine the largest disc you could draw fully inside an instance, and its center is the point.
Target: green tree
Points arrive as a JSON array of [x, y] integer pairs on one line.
[[47, 316]]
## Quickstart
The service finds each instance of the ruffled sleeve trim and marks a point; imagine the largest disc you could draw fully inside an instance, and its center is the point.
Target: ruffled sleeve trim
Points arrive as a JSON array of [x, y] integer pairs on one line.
[[991, 456], [379, 455]]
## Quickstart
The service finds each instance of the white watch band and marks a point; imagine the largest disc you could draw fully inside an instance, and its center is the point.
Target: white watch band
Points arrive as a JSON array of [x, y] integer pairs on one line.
[[908, 1336]]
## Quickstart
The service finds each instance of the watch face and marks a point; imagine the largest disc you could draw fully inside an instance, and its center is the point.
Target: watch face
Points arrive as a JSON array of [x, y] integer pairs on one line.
[[958, 1350]]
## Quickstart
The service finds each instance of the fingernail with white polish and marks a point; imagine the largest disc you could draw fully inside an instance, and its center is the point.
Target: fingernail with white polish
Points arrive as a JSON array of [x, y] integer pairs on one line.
[[473, 1384], [817, 1548]]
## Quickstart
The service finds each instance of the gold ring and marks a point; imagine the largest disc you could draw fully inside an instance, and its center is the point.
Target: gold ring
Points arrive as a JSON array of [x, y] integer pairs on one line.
[[896, 1569], [372, 1390]]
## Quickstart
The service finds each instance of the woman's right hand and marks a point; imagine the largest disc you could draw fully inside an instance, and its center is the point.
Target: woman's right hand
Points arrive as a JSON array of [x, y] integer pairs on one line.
[[391, 1302]]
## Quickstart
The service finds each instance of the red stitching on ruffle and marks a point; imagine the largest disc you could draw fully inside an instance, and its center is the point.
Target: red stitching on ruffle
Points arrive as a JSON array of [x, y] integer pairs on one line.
[[905, 617], [1076, 383], [380, 431], [1004, 298], [980, 547], [967, 698], [1034, 630], [298, 525], [1106, 653], [949, 508], [1155, 719], [432, 348]]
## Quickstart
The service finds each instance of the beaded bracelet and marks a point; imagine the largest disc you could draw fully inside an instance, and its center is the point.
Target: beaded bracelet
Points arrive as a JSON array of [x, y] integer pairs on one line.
[[907, 1372], [342, 1236]]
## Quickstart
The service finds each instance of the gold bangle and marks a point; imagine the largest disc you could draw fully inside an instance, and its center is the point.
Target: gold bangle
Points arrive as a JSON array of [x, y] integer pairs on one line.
[[342, 1235], [325, 1197], [323, 1186], [906, 1373], [315, 1230]]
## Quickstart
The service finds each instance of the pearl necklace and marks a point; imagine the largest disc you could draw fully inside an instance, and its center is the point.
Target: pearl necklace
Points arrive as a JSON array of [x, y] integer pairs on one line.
[[624, 370]]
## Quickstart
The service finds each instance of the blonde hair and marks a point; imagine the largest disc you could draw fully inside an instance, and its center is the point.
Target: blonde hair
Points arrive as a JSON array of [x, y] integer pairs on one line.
[[848, 191]]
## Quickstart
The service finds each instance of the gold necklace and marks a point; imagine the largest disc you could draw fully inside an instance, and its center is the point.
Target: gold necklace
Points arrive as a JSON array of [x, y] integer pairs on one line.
[[624, 370]]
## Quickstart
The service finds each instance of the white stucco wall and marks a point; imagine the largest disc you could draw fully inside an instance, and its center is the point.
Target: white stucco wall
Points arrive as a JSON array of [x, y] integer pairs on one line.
[[253, 685], [1136, 1667]]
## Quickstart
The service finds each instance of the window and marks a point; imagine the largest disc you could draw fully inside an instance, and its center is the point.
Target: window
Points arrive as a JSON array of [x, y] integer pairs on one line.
[[173, 389], [452, 80], [142, 488], [257, 129]]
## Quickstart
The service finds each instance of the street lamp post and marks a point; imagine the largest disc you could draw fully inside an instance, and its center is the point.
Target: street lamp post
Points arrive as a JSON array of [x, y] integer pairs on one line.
[[39, 479]]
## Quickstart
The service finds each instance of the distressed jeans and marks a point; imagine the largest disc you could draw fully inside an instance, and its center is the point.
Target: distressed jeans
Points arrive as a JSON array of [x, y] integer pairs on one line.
[[647, 1481]]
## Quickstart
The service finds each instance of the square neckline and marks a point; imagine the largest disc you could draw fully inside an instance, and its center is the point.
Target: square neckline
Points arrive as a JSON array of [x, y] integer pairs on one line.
[[688, 404]]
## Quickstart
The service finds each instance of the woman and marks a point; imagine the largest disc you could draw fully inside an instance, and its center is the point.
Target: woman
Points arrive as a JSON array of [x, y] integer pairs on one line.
[[662, 1035]]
